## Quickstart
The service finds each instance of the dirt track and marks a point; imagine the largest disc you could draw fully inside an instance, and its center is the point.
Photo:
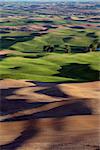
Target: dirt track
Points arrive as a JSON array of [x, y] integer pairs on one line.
[[49, 116]]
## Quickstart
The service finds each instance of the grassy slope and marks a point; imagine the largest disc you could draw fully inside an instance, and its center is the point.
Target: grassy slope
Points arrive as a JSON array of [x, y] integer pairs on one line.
[[15, 33], [49, 68], [57, 38]]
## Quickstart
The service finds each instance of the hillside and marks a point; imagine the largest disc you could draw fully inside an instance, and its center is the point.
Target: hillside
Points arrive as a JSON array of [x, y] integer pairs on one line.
[[34, 117]]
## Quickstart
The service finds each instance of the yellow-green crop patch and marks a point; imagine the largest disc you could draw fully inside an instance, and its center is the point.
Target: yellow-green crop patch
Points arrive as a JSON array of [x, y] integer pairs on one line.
[[53, 67]]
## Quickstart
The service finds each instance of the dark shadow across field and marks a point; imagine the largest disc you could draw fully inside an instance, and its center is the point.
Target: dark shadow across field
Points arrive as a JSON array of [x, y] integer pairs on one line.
[[28, 133], [79, 107], [78, 49], [8, 41], [12, 106], [66, 39], [77, 27], [92, 35], [53, 91], [81, 72], [39, 21]]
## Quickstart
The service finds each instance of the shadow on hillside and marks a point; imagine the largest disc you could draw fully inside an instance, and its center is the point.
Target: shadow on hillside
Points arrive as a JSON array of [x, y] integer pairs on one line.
[[8, 41], [81, 72], [67, 39], [37, 56], [77, 27], [74, 49], [12, 106], [40, 21], [30, 132], [92, 35], [3, 56], [78, 107], [78, 49], [53, 91]]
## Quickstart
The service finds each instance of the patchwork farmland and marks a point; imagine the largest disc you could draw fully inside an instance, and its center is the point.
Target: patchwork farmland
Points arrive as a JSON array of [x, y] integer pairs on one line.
[[49, 75]]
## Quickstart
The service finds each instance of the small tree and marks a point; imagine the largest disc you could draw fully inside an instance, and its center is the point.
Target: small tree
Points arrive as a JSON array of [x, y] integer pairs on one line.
[[44, 48], [92, 47], [67, 49], [52, 49], [48, 48]]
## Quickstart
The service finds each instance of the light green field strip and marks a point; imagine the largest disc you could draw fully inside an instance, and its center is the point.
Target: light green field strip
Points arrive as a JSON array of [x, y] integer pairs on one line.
[[47, 68]]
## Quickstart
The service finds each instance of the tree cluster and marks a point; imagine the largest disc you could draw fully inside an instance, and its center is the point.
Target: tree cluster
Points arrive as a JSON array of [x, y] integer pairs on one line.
[[94, 46], [49, 48]]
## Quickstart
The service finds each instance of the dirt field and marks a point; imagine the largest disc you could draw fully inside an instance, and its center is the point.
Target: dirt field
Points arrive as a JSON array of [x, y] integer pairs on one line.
[[49, 116]]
